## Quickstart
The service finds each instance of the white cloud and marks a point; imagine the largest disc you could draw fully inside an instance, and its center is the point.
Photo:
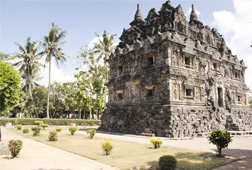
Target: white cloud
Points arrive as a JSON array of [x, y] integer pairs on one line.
[[57, 75], [237, 29]]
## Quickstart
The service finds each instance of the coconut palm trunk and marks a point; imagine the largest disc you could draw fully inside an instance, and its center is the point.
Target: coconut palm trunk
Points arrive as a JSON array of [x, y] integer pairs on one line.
[[52, 44], [48, 93]]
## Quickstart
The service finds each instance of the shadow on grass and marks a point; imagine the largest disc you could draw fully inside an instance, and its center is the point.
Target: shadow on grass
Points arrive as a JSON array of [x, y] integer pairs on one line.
[[193, 161], [237, 152]]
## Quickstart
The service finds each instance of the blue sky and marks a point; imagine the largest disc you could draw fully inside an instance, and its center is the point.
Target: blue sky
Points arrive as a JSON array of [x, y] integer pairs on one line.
[[81, 19]]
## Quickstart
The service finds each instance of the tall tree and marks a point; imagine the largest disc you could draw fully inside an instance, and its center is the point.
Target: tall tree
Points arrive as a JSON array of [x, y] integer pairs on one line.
[[52, 45], [29, 65], [9, 86], [104, 47], [93, 80]]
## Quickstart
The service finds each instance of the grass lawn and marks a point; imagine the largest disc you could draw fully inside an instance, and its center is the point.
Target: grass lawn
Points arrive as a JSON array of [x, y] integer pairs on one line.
[[125, 154]]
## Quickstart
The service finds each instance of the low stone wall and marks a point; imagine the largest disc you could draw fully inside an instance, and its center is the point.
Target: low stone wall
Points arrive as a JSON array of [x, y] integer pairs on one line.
[[173, 121]]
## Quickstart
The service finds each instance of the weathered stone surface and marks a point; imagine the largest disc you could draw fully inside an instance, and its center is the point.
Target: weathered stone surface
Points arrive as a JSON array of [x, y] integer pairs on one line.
[[174, 78]]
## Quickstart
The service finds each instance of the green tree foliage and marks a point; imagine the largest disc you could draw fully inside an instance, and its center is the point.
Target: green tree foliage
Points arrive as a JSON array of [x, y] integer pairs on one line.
[[29, 65], [69, 90], [9, 86], [104, 48], [93, 81], [220, 138], [37, 107], [56, 100], [52, 48]]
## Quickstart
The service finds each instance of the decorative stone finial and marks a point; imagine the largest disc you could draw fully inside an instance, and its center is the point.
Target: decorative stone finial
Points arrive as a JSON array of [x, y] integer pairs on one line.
[[138, 15], [138, 20], [169, 2], [193, 16]]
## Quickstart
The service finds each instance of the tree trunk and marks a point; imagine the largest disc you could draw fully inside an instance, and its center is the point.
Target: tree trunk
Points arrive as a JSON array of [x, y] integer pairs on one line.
[[97, 114], [48, 94], [80, 113], [90, 112], [84, 114], [219, 152], [29, 82], [106, 88]]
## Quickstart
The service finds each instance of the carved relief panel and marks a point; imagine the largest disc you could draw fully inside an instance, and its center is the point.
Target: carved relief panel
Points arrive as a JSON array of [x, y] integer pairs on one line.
[[174, 58], [198, 95], [176, 91]]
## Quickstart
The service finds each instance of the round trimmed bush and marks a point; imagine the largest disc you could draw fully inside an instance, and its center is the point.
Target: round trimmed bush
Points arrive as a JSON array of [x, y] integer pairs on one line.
[[44, 126], [167, 162], [73, 130], [58, 129], [19, 126], [26, 130]]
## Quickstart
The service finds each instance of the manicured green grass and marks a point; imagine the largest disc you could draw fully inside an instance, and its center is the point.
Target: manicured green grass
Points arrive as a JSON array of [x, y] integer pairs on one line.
[[125, 154]]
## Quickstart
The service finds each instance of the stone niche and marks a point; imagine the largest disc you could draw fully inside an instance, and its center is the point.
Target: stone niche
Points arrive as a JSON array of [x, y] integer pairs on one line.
[[174, 78]]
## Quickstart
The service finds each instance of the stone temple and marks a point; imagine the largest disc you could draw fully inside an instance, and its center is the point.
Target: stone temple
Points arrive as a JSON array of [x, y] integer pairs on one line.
[[174, 78]]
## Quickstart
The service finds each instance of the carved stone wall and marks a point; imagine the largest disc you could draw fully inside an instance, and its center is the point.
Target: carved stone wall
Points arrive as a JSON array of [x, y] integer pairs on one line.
[[175, 78]]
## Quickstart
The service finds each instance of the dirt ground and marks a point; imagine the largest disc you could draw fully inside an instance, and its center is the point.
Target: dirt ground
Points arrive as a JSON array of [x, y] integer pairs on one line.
[[39, 156]]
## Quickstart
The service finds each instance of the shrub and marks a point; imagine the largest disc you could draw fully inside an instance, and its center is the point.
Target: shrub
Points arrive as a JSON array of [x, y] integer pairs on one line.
[[26, 130], [71, 122], [19, 127], [73, 130], [44, 126], [38, 123], [53, 136], [221, 139], [91, 133], [14, 122], [15, 147], [58, 129], [50, 121], [36, 130], [156, 142], [167, 162], [107, 146]]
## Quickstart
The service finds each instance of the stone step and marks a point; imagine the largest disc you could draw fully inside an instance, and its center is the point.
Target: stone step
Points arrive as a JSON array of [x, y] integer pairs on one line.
[[203, 134], [241, 133], [148, 134], [148, 130]]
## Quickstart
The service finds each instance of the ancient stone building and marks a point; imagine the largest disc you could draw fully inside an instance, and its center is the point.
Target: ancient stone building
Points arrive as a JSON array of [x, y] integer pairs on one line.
[[175, 78]]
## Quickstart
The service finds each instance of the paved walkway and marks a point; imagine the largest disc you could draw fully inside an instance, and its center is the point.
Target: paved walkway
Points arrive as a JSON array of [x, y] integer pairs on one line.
[[39, 156]]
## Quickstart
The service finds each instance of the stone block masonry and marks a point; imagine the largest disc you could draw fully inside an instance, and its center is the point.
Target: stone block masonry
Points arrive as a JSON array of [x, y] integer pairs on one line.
[[174, 78]]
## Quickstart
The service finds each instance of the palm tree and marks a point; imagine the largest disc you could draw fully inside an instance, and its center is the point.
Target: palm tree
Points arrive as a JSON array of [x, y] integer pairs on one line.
[[104, 47], [52, 44], [33, 76], [29, 65]]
